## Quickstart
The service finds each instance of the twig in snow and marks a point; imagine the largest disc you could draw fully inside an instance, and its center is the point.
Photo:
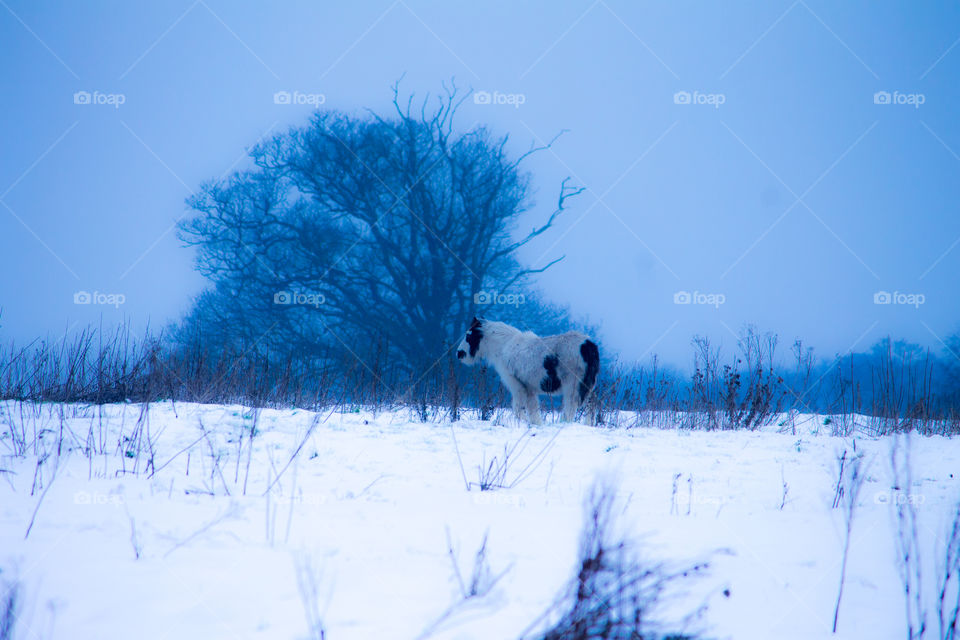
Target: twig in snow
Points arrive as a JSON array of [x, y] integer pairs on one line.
[[851, 493], [230, 512], [39, 502], [783, 498], [309, 596], [948, 582], [482, 582], [296, 452], [174, 457], [908, 540], [456, 448]]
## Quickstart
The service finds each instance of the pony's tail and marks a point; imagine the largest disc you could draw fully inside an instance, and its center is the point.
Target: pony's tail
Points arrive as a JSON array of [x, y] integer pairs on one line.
[[591, 356]]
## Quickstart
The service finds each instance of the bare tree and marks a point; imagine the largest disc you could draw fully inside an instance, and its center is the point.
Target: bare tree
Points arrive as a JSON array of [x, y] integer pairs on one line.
[[354, 232]]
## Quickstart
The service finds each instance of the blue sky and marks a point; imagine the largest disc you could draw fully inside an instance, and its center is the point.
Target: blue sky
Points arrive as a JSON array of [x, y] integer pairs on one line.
[[784, 193]]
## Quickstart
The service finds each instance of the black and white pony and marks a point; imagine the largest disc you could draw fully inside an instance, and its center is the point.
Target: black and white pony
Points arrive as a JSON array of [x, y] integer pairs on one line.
[[529, 365]]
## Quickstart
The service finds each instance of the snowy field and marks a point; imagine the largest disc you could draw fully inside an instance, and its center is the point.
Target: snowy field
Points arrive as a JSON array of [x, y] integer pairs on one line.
[[176, 528]]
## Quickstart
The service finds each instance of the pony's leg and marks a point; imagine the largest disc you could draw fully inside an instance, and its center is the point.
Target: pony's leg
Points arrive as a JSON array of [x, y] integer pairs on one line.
[[571, 402], [589, 410], [517, 395], [517, 404], [533, 408], [590, 407]]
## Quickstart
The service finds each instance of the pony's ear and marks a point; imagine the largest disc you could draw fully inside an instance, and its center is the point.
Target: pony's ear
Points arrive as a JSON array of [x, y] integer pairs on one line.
[[475, 322]]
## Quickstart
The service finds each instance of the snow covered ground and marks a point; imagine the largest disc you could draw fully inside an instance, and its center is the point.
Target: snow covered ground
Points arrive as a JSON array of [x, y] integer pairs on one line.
[[208, 541]]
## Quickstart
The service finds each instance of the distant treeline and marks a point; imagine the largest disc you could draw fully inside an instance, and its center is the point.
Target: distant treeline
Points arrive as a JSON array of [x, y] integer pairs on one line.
[[900, 384]]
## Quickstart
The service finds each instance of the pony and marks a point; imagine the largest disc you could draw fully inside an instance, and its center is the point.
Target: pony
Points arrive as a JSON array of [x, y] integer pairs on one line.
[[529, 365]]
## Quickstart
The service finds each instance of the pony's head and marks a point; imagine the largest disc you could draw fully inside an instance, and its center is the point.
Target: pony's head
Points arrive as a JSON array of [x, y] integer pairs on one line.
[[469, 350]]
